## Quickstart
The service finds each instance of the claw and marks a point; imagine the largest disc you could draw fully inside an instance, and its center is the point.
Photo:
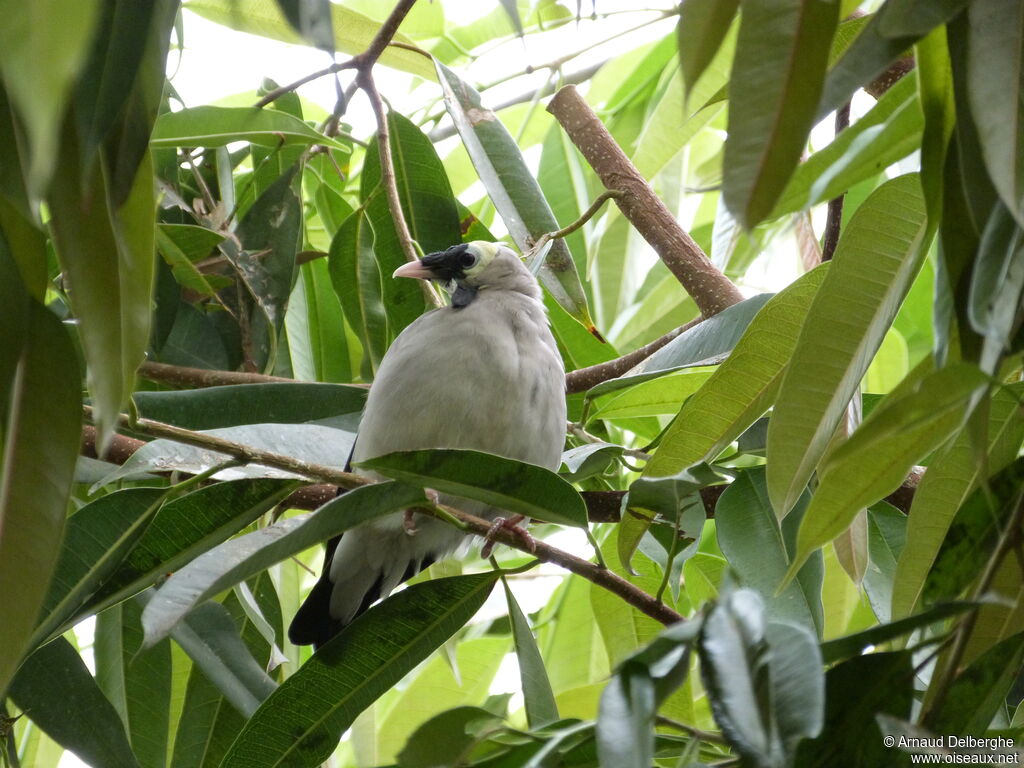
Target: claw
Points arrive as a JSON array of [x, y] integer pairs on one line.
[[510, 524], [409, 522]]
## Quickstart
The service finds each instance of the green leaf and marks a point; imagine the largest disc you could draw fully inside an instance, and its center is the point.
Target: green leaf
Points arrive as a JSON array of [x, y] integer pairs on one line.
[[706, 343], [702, 28], [889, 131], [978, 693], [236, 404], [537, 695], [40, 440], [759, 550], [878, 255], [886, 538], [430, 211], [890, 33], [209, 126], [511, 485], [995, 78], [312, 20], [997, 283], [185, 272], [107, 257], [353, 31], [355, 275], [238, 559], [875, 460], [973, 534], [652, 397], [855, 691], [744, 385], [951, 477], [307, 442], [764, 681], [40, 60], [187, 527], [96, 540], [449, 733], [513, 189], [314, 706], [781, 56], [850, 646], [137, 681], [60, 695]]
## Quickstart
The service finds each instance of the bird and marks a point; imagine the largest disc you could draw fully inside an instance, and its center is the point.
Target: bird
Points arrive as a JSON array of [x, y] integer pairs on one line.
[[483, 373]]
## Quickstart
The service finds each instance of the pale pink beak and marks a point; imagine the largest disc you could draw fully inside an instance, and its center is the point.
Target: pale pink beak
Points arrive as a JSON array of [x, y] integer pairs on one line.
[[413, 269]]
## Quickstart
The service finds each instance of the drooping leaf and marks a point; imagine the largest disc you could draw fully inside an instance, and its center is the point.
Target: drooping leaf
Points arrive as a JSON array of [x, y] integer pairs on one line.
[[312, 708], [312, 20], [874, 265], [513, 189], [515, 486], [744, 385], [41, 434], [538, 699], [777, 75], [702, 27], [951, 477], [444, 735], [236, 404], [997, 285], [245, 556], [63, 699], [995, 76], [759, 549], [886, 539], [876, 458]]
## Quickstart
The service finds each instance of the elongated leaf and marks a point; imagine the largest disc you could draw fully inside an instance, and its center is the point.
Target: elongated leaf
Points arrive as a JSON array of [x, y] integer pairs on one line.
[[537, 695], [655, 397], [702, 27], [187, 275], [185, 528], [890, 33], [875, 460], [312, 20], [874, 266], [41, 433], [995, 76], [137, 681], [308, 442], [247, 555], [513, 189], [857, 690], [272, 403], [759, 549], [951, 477], [853, 645], [744, 385], [353, 31], [888, 132], [764, 680], [781, 56], [315, 705], [40, 60], [96, 540], [55, 688], [506, 484], [355, 275], [886, 538], [706, 343], [107, 256], [429, 208]]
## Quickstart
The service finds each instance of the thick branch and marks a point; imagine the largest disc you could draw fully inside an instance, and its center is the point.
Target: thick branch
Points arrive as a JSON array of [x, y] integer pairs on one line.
[[583, 379], [710, 289], [469, 523], [183, 376]]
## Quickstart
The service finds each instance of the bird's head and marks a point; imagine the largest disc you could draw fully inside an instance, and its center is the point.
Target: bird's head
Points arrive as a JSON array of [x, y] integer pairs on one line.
[[470, 267]]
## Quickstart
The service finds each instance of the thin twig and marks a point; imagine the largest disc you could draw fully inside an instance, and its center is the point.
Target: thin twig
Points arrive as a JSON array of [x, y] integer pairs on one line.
[[280, 91], [835, 206], [469, 523], [697, 733], [587, 215]]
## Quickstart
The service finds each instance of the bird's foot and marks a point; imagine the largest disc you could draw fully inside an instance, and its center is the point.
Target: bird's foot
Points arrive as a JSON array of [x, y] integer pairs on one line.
[[510, 524], [409, 522]]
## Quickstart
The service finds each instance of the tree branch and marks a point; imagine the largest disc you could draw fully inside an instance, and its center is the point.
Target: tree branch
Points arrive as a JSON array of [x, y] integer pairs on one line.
[[835, 206], [710, 289], [183, 376], [467, 522]]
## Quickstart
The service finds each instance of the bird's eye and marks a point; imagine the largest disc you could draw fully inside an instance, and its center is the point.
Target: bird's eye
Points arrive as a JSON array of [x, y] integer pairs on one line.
[[467, 260]]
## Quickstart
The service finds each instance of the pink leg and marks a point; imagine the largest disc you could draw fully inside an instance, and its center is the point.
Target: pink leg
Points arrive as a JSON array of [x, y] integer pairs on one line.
[[510, 524]]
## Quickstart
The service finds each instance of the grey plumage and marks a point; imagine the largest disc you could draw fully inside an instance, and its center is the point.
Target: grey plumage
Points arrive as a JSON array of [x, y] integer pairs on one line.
[[482, 374]]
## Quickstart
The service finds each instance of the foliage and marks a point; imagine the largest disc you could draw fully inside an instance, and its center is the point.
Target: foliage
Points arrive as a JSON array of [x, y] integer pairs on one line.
[[225, 244]]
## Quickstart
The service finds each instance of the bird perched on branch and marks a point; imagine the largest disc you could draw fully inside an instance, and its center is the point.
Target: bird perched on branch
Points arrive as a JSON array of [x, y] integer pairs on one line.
[[482, 374]]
